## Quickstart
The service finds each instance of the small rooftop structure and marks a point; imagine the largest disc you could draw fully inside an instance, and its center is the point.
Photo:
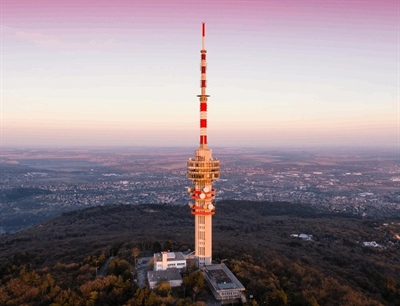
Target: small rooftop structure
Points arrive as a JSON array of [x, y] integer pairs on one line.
[[169, 260], [170, 276], [302, 236], [223, 284], [372, 244]]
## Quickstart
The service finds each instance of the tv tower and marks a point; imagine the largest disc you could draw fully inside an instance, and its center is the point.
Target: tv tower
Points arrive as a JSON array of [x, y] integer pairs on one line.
[[203, 170]]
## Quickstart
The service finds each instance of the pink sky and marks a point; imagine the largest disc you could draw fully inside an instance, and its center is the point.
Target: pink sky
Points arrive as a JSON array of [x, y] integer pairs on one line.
[[286, 72]]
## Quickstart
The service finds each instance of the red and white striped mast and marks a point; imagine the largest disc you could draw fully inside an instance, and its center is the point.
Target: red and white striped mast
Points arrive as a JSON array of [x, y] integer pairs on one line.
[[203, 96], [203, 170]]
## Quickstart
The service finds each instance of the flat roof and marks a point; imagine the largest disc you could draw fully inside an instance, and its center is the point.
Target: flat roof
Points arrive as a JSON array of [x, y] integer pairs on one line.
[[164, 275], [221, 278], [171, 256]]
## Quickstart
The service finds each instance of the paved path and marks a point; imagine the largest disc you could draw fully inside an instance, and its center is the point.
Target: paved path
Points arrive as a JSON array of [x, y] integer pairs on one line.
[[142, 268], [102, 271]]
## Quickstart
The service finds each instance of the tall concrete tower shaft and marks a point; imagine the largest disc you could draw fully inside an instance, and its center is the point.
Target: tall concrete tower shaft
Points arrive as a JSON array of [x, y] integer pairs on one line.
[[203, 170]]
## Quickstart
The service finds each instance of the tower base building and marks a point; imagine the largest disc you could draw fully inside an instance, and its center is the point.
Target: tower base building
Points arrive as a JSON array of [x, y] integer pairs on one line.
[[223, 284]]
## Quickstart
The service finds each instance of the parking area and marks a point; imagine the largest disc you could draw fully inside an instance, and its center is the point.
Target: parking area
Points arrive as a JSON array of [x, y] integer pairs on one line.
[[142, 268]]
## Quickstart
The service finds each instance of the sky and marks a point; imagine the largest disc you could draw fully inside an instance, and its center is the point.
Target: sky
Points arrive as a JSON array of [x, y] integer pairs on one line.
[[281, 73]]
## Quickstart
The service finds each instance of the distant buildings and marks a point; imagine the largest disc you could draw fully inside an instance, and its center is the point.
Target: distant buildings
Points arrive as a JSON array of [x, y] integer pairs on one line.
[[302, 236], [372, 244]]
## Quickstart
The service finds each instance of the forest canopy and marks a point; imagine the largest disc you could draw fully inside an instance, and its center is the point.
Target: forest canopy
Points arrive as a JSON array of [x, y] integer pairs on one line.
[[59, 262]]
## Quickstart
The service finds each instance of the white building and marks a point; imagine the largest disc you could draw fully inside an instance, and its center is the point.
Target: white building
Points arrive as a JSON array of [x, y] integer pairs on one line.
[[169, 260]]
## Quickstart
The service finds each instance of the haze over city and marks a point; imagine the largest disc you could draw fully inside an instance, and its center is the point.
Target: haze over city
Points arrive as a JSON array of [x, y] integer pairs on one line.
[[280, 73]]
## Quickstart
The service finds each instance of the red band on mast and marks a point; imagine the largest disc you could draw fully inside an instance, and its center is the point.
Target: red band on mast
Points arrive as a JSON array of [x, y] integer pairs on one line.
[[204, 29], [203, 139]]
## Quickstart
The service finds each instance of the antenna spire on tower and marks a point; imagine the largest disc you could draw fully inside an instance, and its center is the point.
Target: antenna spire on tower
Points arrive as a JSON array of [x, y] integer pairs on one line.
[[203, 96]]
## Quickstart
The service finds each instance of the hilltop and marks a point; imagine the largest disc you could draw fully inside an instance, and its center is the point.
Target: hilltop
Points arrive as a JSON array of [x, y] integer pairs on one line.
[[327, 265]]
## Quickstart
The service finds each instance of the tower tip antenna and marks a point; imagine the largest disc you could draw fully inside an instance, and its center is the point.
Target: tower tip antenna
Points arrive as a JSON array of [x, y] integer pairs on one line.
[[203, 26]]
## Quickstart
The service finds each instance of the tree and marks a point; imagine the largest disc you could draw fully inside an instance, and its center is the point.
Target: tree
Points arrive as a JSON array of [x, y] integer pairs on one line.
[[168, 245], [119, 267], [3, 296], [135, 254], [313, 301], [184, 302], [92, 298], [252, 303], [144, 297], [102, 259], [195, 290], [194, 279], [164, 289], [277, 298]]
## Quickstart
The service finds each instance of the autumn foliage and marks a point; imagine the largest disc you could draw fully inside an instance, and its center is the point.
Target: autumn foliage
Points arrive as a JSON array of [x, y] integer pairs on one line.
[[87, 258]]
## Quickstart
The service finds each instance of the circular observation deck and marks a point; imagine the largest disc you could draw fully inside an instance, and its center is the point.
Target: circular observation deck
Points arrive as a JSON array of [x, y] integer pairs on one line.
[[203, 170]]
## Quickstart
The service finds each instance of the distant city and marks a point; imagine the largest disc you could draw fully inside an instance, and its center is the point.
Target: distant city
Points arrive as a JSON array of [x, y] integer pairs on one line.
[[39, 184]]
